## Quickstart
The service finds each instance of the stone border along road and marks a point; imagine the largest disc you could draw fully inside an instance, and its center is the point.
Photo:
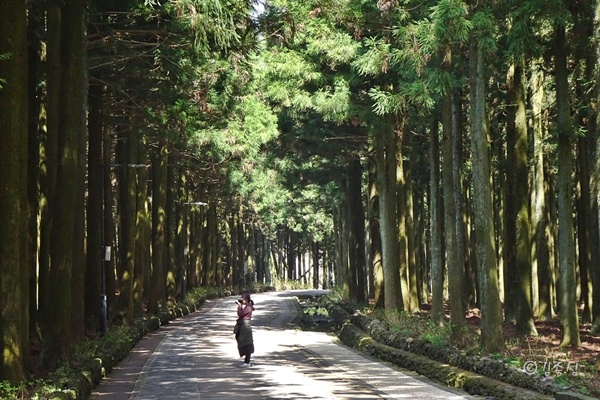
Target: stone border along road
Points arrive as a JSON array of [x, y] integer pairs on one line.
[[195, 357]]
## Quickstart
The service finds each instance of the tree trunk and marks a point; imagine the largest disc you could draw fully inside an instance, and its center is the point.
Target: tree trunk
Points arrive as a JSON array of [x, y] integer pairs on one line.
[[36, 131], [108, 228], [517, 274], [595, 191], [540, 261], [14, 268], [586, 118], [77, 91], [251, 258], [456, 271], [376, 287], [436, 221], [71, 126], [315, 265], [457, 176], [159, 227], [93, 285], [356, 232], [211, 246], [49, 157], [242, 247], [194, 262], [492, 338], [405, 225], [235, 263], [170, 264], [385, 148], [566, 239], [143, 228], [128, 187]]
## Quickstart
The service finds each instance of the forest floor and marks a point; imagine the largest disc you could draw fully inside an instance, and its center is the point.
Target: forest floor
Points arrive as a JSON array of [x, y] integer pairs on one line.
[[577, 367]]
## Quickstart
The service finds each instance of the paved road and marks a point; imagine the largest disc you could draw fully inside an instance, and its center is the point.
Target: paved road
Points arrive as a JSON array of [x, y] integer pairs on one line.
[[196, 358]]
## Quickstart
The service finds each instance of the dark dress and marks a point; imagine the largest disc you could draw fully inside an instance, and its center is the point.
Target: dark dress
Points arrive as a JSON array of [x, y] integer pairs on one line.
[[243, 330]]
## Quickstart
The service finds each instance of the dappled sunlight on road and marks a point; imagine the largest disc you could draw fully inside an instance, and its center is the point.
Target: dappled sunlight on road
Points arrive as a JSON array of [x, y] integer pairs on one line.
[[199, 360]]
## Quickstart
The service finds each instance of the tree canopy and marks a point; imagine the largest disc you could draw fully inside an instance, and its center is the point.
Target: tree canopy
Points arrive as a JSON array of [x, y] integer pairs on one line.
[[409, 152]]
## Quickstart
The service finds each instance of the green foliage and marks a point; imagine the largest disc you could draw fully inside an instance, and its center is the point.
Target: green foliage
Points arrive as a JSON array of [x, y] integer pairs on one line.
[[450, 21], [416, 326], [334, 102], [9, 392], [522, 34], [333, 47], [375, 59], [35, 389], [315, 310], [281, 284], [485, 29], [199, 294], [338, 293], [214, 24], [386, 102]]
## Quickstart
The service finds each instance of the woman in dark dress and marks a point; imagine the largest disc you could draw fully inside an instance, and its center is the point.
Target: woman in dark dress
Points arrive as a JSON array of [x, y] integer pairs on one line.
[[243, 329]]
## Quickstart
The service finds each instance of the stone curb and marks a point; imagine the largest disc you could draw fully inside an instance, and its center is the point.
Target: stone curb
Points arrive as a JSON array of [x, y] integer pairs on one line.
[[448, 375], [473, 383]]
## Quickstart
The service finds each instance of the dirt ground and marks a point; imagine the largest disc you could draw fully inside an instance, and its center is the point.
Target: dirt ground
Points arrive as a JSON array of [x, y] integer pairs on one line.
[[578, 367]]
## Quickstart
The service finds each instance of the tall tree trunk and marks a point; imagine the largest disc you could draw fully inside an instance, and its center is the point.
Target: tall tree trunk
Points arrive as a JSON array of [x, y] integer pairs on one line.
[[93, 285], [251, 259], [242, 247], [79, 232], [206, 253], [108, 273], [436, 221], [405, 224], [356, 232], [159, 227], [71, 127], [401, 213], [128, 187], [566, 239], [215, 253], [540, 261], [36, 130], [79, 85], [492, 338], [518, 271], [194, 263], [170, 264], [14, 268], [595, 190], [315, 263], [235, 263], [456, 271], [376, 286], [586, 118], [457, 176], [385, 149], [49, 156], [143, 234]]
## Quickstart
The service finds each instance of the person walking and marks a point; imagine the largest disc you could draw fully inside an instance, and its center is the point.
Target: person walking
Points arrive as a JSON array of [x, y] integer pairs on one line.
[[243, 329]]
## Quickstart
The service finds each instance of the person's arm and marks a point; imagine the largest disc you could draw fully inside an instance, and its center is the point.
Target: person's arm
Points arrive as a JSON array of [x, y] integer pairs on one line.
[[244, 311]]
